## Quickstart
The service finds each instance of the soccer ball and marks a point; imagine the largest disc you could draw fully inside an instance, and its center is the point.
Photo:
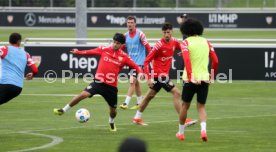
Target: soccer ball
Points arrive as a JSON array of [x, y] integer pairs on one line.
[[82, 115]]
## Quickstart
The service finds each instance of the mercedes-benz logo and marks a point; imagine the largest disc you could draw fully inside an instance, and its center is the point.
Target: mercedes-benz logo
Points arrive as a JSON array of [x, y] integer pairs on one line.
[[30, 19]]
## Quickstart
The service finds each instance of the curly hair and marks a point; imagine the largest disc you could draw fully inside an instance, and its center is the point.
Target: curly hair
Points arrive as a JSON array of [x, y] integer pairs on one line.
[[191, 27]]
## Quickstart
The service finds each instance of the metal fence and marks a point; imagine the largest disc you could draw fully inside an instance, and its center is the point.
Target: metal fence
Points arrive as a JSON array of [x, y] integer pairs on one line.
[[145, 3]]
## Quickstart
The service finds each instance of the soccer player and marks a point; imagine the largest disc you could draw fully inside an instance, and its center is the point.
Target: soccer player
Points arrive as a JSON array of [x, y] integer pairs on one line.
[[12, 68], [112, 60], [161, 55], [136, 46], [196, 52]]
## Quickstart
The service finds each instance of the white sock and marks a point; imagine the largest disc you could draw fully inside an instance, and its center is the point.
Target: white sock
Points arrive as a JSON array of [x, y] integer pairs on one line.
[[138, 115], [66, 108], [203, 126], [139, 99], [181, 128], [111, 120], [128, 98]]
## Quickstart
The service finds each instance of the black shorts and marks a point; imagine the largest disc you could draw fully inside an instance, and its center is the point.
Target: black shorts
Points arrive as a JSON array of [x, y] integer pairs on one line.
[[108, 92], [133, 72], [189, 89], [8, 92], [162, 82]]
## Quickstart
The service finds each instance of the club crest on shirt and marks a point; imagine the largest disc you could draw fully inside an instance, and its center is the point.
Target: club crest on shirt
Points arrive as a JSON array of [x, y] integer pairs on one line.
[[120, 58], [37, 60]]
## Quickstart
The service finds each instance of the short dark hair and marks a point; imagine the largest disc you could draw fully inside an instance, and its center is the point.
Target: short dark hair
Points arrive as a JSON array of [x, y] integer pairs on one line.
[[131, 18], [191, 27], [119, 37], [14, 38], [167, 26]]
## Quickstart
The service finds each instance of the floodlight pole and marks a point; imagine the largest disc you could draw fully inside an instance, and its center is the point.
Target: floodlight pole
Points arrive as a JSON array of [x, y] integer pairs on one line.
[[81, 20]]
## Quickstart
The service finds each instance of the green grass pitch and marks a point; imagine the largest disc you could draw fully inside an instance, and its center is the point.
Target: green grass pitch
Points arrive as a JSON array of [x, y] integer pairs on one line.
[[241, 117]]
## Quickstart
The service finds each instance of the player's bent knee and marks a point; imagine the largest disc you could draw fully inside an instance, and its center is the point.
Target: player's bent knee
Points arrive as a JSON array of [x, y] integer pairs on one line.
[[85, 94], [113, 114], [176, 94]]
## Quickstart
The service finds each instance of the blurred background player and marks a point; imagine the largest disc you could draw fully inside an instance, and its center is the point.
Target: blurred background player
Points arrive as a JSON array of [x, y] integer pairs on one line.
[[132, 144], [161, 55], [196, 52], [136, 46], [12, 68], [184, 18], [105, 82]]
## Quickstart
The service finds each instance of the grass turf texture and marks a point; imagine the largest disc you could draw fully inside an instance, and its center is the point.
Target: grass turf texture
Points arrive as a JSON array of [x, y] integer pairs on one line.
[[241, 117]]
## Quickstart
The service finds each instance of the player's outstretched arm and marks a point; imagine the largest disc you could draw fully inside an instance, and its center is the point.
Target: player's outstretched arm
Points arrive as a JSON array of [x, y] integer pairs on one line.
[[96, 51], [74, 51]]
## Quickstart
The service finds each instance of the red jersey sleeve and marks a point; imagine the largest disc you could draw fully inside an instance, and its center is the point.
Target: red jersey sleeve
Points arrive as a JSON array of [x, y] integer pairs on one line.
[[186, 58], [132, 65], [96, 51], [177, 44], [144, 41], [31, 64], [150, 57], [3, 51], [213, 57]]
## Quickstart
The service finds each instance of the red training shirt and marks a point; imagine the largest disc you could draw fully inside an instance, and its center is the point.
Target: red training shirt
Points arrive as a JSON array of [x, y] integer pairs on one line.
[[161, 55], [110, 64]]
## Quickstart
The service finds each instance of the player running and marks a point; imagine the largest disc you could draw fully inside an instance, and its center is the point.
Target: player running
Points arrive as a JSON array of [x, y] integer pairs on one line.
[[161, 55], [136, 46], [12, 68], [196, 52], [112, 60]]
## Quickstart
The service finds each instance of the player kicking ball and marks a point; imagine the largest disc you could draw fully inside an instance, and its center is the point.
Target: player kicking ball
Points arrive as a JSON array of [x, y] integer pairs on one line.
[[161, 55], [112, 60]]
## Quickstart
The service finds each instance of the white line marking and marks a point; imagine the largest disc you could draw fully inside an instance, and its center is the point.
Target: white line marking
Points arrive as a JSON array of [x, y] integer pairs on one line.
[[51, 95], [128, 124], [55, 140]]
